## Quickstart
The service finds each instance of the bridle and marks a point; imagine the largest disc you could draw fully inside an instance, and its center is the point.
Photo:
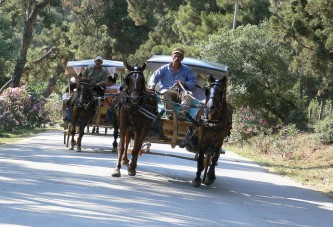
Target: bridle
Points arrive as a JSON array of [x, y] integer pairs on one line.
[[215, 89], [213, 105], [134, 94], [81, 101]]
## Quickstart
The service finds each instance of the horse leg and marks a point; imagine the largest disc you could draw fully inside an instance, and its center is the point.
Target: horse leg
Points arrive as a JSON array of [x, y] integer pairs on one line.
[[138, 140], [200, 166], [131, 168], [125, 160], [79, 138], [115, 133], [72, 130], [71, 133], [116, 172], [210, 179]]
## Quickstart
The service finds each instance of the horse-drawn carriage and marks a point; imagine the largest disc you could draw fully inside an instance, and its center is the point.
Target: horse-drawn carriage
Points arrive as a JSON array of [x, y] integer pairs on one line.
[[139, 114], [209, 120], [101, 116]]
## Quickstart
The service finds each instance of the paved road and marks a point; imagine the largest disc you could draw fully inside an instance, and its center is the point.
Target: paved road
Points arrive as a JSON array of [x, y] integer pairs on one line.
[[42, 183]]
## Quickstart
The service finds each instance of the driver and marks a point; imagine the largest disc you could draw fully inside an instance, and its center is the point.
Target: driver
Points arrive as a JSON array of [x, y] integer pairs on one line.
[[97, 75], [176, 81]]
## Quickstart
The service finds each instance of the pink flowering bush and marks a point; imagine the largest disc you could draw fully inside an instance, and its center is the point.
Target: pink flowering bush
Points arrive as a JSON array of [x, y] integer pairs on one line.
[[19, 108], [246, 124]]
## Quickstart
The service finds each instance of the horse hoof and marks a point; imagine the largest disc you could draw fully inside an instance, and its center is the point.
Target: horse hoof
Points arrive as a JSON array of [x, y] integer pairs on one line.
[[116, 173], [71, 148], [78, 149], [196, 183], [125, 162], [131, 171], [114, 150], [209, 181]]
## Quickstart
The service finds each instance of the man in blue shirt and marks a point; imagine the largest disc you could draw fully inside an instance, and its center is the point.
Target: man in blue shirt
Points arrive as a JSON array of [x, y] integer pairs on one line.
[[176, 81]]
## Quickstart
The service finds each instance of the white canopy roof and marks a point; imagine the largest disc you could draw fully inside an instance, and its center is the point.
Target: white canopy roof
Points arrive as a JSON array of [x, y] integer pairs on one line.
[[90, 62], [78, 66], [197, 65]]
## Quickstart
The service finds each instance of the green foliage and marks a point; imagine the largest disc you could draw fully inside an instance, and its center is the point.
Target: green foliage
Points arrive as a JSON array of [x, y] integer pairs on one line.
[[324, 130], [309, 34], [249, 12], [258, 70], [36, 88], [8, 45], [319, 110]]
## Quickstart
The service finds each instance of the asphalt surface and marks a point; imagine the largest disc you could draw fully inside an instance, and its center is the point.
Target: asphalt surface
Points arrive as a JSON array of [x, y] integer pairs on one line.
[[42, 183]]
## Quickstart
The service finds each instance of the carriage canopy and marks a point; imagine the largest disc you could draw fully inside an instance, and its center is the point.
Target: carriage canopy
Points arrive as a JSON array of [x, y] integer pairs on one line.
[[81, 65], [197, 65]]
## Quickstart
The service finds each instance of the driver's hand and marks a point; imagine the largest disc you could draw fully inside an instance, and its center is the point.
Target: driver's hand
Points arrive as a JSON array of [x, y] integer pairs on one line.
[[179, 82]]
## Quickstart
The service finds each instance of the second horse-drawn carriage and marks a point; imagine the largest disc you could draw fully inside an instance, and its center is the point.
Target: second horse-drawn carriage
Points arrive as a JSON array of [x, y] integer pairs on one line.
[[140, 117], [101, 116]]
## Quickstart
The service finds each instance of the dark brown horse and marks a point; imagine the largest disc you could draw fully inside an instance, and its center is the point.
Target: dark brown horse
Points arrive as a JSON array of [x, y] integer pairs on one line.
[[214, 122], [83, 109], [133, 108]]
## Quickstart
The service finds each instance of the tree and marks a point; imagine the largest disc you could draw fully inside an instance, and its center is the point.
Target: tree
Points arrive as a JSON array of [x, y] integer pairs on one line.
[[309, 34], [8, 45], [258, 70], [31, 10]]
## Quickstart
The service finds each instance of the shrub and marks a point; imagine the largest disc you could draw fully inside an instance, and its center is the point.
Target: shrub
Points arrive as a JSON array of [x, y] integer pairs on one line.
[[18, 108], [324, 130], [246, 124], [284, 142], [263, 142], [17, 104], [53, 108]]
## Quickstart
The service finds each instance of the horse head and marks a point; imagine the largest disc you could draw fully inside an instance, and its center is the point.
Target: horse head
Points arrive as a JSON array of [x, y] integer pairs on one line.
[[135, 83], [215, 96], [84, 93]]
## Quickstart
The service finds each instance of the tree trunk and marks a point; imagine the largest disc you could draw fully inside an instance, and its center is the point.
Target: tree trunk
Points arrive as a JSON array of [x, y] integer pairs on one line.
[[50, 87], [31, 17]]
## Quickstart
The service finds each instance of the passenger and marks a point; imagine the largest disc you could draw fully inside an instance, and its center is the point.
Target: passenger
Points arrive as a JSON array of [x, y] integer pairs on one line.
[[176, 81], [73, 83]]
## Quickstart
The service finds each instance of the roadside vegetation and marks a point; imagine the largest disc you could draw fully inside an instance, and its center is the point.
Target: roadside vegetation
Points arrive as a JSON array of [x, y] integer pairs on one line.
[[311, 163], [305, 156]]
